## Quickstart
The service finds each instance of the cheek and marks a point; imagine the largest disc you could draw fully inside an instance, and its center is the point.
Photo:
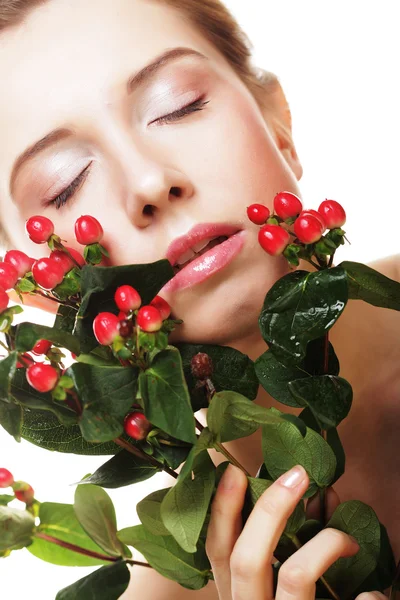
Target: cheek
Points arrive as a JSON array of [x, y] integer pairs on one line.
[[242, 156]]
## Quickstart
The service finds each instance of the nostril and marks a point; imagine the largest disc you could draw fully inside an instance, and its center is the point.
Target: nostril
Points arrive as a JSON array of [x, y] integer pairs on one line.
[[148, 210], [175, 191]]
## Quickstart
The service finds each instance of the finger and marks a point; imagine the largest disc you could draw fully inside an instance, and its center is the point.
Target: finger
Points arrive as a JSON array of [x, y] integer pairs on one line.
[[313, 504], [299, 573], [34, 301], [371, 596], [250, 563], [225, 526]]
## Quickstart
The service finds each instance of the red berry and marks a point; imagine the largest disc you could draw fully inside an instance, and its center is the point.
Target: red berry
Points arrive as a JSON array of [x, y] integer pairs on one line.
[[3, 300], [20, 261], [136, 425], [125, 328], [8, 276], [88, 230], [25, 495], [6, 478], [308, 228], [333, 213], [149, 319], [47, 273], [258, 213], [273, 239], [122, 316], [41, 377], [65, 261], [162, 305], [28, 360], [39, 229], [41, 347], [127, 298], [316, 214], [105, 328], [287, 204]]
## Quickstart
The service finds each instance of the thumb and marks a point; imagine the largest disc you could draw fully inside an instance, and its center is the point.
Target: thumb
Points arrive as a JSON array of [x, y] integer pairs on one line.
[[313, 504]]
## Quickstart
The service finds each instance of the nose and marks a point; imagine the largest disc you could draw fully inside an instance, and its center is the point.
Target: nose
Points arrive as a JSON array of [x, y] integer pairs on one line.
[[151, 183]]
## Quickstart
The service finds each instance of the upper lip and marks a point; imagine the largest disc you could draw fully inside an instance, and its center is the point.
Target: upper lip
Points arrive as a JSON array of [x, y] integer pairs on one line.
[[199, 232]]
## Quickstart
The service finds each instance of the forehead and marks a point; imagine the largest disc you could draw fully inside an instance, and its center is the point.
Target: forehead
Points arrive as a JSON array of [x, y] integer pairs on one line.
[[72, 58]]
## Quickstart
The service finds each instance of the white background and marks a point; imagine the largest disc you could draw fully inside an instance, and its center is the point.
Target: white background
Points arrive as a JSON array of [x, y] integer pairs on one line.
[[338, 64]]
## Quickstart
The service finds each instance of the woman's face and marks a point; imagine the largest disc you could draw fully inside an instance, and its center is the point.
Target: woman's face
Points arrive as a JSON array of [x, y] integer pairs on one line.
[[148, 181]]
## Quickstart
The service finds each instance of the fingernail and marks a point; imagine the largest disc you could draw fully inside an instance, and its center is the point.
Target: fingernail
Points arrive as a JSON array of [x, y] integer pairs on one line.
[[353, 539], [228, 479], [293, 477]]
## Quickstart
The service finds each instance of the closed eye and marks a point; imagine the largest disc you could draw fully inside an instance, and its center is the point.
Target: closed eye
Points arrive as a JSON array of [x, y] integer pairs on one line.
[[63, 198], [195, 106]]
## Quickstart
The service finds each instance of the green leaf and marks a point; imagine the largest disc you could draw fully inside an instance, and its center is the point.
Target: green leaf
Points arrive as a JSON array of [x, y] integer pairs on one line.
[[108, 583], [29, 398], [275, 377], [360, 521], [231, 416], [256, 487], [300, 307], [43, 429], [173, 456], [65, 318], [122, 469], [11, 416], [185, 506], [7, 371], [232, 371], [70, 285], [96, 514], [383, 575], [166, 398], [5, 499], [284, 447], [367, 284], [98, 285], [333, 439], [106, 395], [16, 528], [149, 512], [29, 333], [59, 521], [164, 554], [328, 397]]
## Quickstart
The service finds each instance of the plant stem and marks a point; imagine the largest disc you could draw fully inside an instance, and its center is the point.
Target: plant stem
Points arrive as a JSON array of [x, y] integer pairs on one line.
[[396, 581], [5, 347], [84, 551], [322, 579], [218, 446], [137, 452], [76, 401]]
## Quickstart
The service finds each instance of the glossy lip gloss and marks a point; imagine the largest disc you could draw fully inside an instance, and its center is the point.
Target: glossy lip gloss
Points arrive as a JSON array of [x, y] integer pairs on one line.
[[203, 267]]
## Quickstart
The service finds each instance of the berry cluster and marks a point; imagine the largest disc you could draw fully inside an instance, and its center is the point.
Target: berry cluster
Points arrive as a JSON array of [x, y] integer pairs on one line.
[[136, 329], [309, 227], [22, 490]]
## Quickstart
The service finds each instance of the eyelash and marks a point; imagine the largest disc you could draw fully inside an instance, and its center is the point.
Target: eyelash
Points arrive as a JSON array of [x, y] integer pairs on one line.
[[63, 198]]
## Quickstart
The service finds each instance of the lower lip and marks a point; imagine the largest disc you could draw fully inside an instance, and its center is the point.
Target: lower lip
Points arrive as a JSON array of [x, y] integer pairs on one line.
[[207, 264]]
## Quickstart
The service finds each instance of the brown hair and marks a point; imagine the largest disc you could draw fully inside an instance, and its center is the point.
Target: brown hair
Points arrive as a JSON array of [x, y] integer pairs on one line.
[[212, 18]]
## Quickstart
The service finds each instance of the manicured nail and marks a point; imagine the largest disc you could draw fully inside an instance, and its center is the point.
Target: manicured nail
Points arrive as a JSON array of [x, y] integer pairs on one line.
[[228, 479], [293, 477]]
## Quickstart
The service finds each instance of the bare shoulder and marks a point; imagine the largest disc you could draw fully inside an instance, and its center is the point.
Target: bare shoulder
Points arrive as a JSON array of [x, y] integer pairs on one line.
[[147, 584], [389, 266]]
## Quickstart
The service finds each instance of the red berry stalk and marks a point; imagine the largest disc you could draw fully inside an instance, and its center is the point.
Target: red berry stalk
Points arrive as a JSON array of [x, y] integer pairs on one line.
[[89, 233], [309, 227]]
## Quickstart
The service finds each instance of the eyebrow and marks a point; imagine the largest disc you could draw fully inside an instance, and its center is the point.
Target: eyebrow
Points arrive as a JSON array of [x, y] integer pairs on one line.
[[135, 81]]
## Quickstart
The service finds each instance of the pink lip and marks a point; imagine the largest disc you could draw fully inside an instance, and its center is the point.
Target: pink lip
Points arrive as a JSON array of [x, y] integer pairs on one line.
[[199, 232], [207, 264]]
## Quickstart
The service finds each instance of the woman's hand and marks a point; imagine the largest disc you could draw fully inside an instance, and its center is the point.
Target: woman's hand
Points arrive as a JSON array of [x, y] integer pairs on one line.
[[241, 557]]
